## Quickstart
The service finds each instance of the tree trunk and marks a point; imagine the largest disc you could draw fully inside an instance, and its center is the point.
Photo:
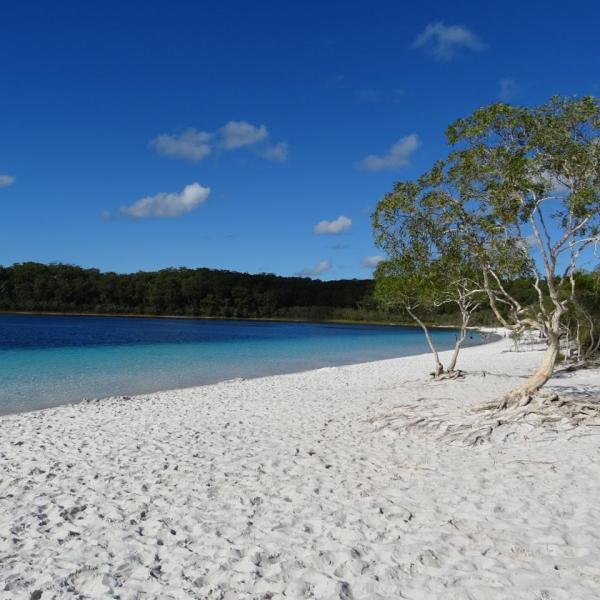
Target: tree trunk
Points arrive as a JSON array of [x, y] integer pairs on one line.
[[593, 346], [459, 340], [439, 367], [543, 373]]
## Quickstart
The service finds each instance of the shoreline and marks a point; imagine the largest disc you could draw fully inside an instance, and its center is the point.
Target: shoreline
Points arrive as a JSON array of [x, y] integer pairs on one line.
[[240, 379], [495, 336], [241, 319], [305, 485]]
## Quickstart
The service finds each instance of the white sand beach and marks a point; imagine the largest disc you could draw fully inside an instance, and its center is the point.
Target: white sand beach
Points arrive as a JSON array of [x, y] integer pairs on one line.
[[305, 485]]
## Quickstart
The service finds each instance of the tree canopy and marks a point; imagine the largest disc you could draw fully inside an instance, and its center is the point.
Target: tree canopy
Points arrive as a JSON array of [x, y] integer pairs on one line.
[[186, 292], [518, 196]]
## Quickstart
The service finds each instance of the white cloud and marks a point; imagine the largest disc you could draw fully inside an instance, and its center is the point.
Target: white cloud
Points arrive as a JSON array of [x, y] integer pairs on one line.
[[557, 187], [397, 156], [528, 242], [6, 180], [444, 41], [340, 224], [237, 134], [367, 96], [191, 145], [275, 152], [318, 269], [371, 261], [168, 204], [508, 89]]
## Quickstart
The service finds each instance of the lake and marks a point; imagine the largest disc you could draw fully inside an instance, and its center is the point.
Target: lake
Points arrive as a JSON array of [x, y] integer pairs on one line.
[[51, 360]]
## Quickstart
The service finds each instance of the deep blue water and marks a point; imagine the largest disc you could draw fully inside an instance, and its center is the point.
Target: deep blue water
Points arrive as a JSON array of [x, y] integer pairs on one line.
[[47, 360]]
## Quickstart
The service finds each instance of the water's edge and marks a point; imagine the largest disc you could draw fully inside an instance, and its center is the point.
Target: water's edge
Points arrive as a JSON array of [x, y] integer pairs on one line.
[[492, 339], [240, 319], [47, 361]]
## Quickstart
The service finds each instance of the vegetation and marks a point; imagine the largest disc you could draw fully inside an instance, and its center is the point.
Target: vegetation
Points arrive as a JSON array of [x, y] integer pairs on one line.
[[426, 270], [183, 292], [59, 288], [518, 198]]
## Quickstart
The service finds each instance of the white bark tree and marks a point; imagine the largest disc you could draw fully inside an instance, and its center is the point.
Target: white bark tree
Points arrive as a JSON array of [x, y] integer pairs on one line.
[[521, 192], [419, 278]]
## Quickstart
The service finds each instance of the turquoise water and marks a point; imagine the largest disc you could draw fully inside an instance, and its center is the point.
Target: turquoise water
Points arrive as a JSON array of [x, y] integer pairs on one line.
[[46, 361]]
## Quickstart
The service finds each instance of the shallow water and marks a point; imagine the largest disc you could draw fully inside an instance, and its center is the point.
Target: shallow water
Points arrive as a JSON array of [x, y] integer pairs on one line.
[[49, 360]]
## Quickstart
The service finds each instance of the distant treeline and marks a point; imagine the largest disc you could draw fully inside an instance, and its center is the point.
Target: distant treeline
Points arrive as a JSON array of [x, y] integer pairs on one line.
[[35, 287], [182, 292]]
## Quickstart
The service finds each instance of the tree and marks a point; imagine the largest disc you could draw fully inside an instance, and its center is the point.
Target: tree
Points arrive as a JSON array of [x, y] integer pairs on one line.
[[521, 192], [400, 283], [585, 315], [426, 269], [404, 282], [180, 291]]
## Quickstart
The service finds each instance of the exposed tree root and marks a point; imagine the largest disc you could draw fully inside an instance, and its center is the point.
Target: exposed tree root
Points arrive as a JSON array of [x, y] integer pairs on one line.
[[542, 404], [493, 421], [584, 364], [544, 409], [455, 374], [512, 400]]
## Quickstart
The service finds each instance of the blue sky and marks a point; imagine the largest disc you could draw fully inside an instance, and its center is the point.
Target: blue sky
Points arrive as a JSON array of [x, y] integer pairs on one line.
[[252, 136]]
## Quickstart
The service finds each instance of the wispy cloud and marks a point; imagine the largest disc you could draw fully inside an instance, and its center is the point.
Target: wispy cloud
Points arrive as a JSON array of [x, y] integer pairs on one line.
[[191, 145], [367, 96], [557, 186], [228, 237], [274, 152], [237, 134], [445, 41], [321, 267], [168, 204], [342, 223], [397, 156], [508, 89], [371, 261], [373, 96], [6, 180]]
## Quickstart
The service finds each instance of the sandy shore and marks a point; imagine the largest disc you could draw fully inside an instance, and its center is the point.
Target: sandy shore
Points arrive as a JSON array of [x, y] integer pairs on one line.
[[293, 487]]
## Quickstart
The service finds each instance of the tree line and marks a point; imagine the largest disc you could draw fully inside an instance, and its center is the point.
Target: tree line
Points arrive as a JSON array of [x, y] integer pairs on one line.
[[62, 288], [183, 292]]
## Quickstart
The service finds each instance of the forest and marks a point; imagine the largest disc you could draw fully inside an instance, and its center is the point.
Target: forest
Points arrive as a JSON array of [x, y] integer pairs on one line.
[[35, 287], [62, 288]]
